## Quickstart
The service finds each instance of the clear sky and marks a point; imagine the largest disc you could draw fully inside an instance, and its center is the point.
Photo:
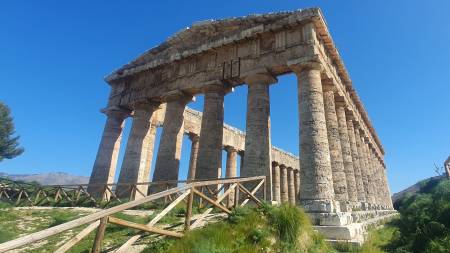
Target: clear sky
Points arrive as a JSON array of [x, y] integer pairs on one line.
[[54, 55]]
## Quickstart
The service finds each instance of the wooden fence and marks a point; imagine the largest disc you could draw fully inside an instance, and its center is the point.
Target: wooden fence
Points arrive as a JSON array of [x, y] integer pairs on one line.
[[30, 194], [220, 194]]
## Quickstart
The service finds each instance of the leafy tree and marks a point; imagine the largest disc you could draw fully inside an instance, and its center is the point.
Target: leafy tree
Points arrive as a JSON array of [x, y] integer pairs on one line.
[[9, 145], [424, 225]]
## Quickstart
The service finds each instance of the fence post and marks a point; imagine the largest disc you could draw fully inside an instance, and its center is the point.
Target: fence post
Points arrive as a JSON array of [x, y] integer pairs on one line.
[[187, 221], [96, 248]]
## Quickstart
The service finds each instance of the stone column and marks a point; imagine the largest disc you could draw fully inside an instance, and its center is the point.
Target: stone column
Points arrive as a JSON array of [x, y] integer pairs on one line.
[[138, 153], [389, 198], [231, 170], [297, 184], [356, 165], [276, 182], [370, 182], [106, 160], [284, 184], [381, 189], [291, 187], [386, 194], [337, 162], [316, 182], [169, 152], [241, 155], [346, 152], [193, 158], [363, 166], [257, 140], [209, 161], [373, 173]]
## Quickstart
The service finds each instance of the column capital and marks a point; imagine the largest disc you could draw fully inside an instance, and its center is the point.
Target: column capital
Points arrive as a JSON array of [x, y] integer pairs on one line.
[[177, 95], [217, 86], [305, 63], [349, 114], [116, 111], [230, 149], [193, 137], [145, 105], [328, 85], [259, 76], [276, 164]]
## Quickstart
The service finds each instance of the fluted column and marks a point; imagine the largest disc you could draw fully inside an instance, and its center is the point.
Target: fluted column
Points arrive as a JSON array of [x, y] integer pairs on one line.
[[382, 190], [276, 182], [257, 140], [365, 145], [231, 168], [337, 162], [291, 186], [108, 151], [316, 182], [209, 161], [138, 153], [362, 165], [389, 198], [346, 152], [169, 152], [373, 176], [284, 184], [193, 158], [356, 165], [386, 194], [297, 184]]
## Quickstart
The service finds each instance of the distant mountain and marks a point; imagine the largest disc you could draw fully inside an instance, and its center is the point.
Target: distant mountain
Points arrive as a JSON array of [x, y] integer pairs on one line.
[[48, 178], [413, 189]]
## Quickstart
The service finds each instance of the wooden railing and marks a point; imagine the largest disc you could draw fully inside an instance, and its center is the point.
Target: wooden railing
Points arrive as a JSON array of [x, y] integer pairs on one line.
[[220, 194], [29, 194]]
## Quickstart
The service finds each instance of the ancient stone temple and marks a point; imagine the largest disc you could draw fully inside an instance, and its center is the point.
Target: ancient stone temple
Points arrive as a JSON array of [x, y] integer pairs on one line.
[[340, 177]]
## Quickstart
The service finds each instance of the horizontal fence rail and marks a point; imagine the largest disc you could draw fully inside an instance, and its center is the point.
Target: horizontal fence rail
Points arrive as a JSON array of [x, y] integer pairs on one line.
[[220, 194], [31, 194]]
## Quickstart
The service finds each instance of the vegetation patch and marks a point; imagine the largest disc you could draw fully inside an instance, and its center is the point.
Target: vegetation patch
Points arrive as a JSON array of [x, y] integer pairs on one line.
[[250, 230]]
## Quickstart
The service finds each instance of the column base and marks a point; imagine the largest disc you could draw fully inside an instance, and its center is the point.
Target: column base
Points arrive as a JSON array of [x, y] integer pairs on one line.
[[349, 227], [320, 206], [331, 219]]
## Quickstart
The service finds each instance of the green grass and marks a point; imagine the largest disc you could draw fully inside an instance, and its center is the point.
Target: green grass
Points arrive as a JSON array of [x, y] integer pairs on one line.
[[250, 230]]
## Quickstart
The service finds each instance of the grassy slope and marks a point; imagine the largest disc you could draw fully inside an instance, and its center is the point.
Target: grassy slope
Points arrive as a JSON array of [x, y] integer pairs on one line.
[[249, 230]]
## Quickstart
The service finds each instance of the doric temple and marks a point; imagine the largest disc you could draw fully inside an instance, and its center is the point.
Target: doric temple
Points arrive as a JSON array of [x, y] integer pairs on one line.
[[340, 177]]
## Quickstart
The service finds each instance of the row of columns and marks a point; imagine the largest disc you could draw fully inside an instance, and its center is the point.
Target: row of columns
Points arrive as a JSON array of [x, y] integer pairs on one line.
[[286, 183], [339, 166]]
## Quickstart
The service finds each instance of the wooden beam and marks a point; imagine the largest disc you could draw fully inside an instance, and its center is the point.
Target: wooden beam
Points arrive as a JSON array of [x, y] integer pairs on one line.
[[97, 247], [253, 192], [144, 227], [211, 201], [209, 210], [258, 202], [187, 220], [69, 244], [168, 208]]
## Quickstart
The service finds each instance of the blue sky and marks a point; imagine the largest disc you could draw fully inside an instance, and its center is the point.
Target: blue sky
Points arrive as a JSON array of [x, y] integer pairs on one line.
[[54, 55]]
